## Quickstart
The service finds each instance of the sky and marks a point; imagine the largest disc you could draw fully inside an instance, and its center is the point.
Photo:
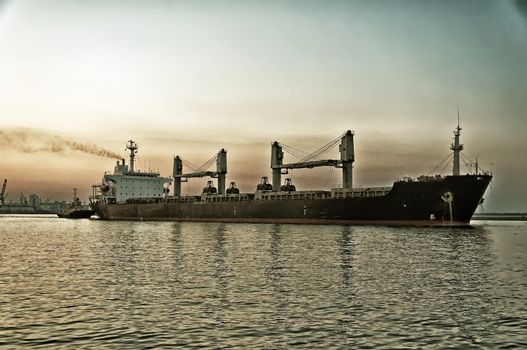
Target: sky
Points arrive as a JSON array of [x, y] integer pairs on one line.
[[190, 77]]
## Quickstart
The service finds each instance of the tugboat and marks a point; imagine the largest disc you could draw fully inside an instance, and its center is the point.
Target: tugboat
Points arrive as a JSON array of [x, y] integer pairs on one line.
[[76, 210]]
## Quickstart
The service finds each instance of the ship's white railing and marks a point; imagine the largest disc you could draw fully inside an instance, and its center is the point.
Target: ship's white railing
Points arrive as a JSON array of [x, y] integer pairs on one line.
[[228, 197], [270, 196], [360, 192], [205, 198], [295, 195]]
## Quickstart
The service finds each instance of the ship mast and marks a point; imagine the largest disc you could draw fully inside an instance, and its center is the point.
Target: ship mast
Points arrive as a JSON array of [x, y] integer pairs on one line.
[[456, 147], [132, 146]]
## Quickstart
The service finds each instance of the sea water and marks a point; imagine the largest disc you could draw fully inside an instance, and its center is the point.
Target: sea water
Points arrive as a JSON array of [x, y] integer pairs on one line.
[[104, 284]]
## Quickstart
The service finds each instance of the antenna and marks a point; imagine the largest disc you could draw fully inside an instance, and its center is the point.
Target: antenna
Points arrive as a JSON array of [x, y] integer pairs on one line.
[[458, 116]]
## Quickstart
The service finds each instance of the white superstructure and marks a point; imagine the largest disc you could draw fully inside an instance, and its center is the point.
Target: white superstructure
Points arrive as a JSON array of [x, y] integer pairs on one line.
[[125, 183]]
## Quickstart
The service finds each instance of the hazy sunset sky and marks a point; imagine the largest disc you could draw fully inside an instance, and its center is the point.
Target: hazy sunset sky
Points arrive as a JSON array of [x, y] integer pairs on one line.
[[190, 77]]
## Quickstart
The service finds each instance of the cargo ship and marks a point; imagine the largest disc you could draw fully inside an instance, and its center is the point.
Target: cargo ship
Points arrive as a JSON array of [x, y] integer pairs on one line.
[[427, 200]]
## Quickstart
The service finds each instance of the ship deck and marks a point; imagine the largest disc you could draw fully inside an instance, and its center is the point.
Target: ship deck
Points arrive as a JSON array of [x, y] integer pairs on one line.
[[270, 196]]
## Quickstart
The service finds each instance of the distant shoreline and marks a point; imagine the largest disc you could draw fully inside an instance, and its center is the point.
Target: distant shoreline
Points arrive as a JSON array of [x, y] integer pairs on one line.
[[476, 217], [501, 216]]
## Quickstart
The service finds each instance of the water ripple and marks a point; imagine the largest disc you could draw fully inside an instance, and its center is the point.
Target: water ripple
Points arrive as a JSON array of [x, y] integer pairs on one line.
[[129, 285]]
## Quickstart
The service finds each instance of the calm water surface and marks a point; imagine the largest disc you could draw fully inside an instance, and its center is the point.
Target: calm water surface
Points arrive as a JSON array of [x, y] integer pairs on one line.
[[95, 284]]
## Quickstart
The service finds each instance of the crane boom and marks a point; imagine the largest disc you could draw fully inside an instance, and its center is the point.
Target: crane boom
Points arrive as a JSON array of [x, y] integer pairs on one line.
[[221, 171], [309, 165], [198, 174], [347, 157]]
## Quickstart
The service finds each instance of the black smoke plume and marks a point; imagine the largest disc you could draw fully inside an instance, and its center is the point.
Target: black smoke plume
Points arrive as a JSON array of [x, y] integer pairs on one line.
[[33, 141]]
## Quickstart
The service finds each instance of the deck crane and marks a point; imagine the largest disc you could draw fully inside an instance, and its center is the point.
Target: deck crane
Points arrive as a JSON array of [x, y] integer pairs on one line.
[[347, 157], [2, 194], [202, 171]]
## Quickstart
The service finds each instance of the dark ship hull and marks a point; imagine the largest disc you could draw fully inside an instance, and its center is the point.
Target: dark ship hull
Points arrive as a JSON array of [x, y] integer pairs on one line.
[[77, 214], [434, 202]]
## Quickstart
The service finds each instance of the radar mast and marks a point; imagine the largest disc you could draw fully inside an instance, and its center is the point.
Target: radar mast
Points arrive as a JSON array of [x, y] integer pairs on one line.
[[456, 147], [132, 146]]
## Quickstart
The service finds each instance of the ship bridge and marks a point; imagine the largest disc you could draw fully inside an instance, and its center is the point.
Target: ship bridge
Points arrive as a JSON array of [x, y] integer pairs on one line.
[[127, 183]]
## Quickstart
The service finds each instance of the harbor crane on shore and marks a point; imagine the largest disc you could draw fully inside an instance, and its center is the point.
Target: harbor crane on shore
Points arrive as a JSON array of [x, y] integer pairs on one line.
[[2, 194], [23, 199]]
